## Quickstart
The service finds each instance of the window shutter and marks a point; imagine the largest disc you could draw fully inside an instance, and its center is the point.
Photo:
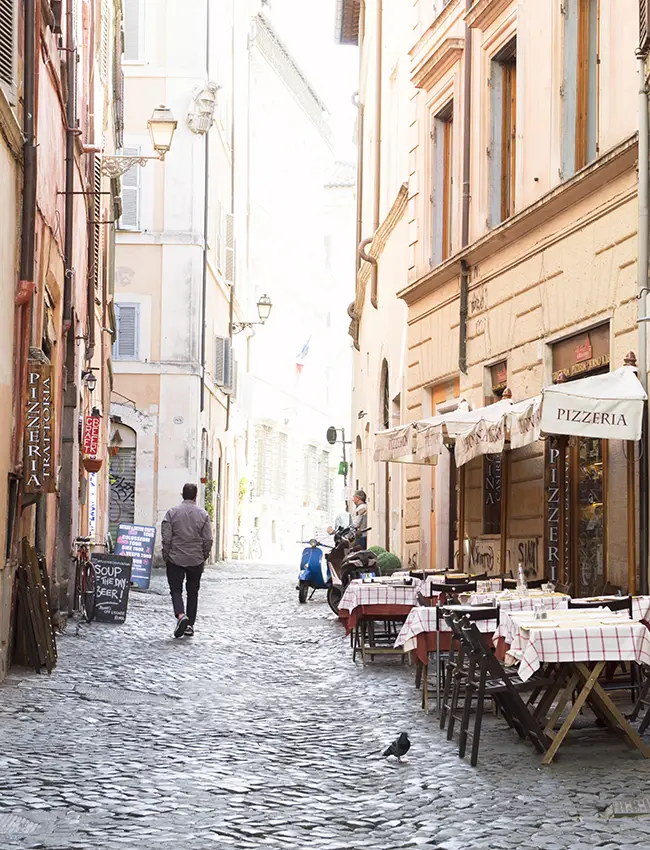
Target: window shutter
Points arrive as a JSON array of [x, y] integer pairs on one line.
[[496, 142], [132, 30], [644, 25], [7, 42], [97, 227], [128, 326], [105, 42], [131, 193], [570, 88], [223, 363], [229, 248]]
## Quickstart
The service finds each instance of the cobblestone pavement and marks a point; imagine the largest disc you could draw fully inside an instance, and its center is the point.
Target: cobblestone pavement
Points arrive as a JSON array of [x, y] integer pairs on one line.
[[261, 733]]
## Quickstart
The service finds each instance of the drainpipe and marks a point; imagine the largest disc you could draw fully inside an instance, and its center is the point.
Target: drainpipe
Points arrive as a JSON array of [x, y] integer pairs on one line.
[[62, 590], [644, 176], [206, 221], [377, 197], [71, 132], [465, 269], [360, 129], [24, 294], [231, 317]]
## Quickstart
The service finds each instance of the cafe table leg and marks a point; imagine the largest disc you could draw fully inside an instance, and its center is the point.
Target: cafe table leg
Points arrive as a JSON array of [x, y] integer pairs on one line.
[[418, 672], [425, 687], [580, 701], [549, 694], [564, 697], [608, 707]]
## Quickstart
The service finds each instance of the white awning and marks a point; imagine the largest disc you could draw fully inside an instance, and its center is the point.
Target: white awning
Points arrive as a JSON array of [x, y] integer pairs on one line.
[[606, 407], [394, 443]]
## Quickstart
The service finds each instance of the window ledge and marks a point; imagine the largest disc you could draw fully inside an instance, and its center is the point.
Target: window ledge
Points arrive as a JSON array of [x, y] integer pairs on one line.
[[485, 12], [429, 68], [9, 126], [592, 177]]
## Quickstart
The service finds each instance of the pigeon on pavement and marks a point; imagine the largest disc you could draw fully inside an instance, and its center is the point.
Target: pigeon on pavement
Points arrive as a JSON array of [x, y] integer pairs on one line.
[[399, 747]]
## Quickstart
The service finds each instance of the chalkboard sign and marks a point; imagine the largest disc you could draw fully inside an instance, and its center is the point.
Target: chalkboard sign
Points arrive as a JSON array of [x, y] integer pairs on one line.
[[136, 542], [112, 582]]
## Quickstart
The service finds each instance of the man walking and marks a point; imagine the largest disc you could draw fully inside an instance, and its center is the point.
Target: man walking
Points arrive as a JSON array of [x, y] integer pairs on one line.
[[186, 545], [360, 518]]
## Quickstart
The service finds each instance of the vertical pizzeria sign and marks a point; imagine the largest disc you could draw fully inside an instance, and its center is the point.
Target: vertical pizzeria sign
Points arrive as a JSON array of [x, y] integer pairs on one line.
[[39, 470]]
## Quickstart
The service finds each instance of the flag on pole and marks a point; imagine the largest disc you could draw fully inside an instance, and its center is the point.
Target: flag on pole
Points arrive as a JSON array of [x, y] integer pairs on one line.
[[302, 356]]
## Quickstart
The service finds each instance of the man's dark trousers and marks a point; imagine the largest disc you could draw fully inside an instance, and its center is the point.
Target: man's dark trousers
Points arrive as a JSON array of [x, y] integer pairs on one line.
[[192, 576]]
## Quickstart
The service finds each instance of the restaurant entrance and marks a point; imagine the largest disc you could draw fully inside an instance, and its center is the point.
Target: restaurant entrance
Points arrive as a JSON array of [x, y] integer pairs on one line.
[[575, 527]]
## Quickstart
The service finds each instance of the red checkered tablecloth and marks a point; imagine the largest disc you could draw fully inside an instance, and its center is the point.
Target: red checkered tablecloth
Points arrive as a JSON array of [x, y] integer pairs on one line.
[[610, 639], [360, 593], [376, 600], [640, 605], [423, 620]]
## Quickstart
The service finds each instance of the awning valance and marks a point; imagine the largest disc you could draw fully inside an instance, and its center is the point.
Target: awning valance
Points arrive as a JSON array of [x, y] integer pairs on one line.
[[607, 407]]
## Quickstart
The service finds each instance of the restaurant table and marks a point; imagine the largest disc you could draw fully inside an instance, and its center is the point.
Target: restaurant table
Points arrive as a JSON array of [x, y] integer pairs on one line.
[[365, 603], [574, 651]]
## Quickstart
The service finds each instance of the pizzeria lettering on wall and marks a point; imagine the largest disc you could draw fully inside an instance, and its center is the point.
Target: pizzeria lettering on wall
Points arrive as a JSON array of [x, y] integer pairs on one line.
[[39, 469]]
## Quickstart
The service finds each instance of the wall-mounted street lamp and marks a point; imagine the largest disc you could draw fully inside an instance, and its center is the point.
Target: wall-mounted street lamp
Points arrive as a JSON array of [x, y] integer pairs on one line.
[[162, 126], [264, 306], [90, 379]]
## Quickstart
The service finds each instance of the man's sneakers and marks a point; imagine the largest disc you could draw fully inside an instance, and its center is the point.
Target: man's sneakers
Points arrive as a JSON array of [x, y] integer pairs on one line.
[[189, 631], [182, 626]]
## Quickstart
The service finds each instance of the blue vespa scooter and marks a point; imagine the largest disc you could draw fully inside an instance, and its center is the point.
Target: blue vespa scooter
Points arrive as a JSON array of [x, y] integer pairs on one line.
[[314, 570]]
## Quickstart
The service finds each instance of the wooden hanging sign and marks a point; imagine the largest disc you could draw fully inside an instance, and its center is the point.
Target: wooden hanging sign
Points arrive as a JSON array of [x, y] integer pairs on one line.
[[39, 467]]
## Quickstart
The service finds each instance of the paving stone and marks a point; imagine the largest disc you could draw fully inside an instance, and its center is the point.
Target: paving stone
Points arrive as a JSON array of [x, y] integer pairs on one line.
[[260, 732]]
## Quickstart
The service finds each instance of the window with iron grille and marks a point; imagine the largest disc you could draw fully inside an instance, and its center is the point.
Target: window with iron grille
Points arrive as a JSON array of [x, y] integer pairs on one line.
[[323, 481], [280, 458], [127, 340], [263, 460], [310, 474]]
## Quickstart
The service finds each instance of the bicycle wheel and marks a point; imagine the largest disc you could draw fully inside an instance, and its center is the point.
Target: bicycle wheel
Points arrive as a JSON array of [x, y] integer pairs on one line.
[[88, 591]]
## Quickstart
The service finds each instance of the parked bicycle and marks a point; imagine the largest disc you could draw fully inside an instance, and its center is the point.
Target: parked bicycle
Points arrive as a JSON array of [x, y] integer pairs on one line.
[[255, 545], [84, 583]]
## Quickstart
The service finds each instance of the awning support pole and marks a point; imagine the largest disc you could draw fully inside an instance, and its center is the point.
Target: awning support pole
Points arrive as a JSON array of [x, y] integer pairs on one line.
[[505, 486], [631, 520], [644, 167], [461, 519]]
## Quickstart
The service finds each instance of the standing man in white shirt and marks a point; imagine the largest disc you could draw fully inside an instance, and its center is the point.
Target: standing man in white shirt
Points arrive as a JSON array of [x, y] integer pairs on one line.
[[360, 518]]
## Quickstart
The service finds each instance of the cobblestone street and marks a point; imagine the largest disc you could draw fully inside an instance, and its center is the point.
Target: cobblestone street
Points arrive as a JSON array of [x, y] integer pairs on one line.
[[261, 732]]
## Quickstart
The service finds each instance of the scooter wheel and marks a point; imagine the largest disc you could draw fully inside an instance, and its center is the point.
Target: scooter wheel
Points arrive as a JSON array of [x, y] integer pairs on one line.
[[334, 596], [303, 592]]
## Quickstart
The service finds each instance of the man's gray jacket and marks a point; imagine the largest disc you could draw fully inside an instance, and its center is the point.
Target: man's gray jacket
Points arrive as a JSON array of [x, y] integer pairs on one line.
[[186, 535]]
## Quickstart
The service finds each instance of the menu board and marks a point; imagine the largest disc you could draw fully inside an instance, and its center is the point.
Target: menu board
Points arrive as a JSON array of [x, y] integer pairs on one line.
[[112, 581], [137, 542]]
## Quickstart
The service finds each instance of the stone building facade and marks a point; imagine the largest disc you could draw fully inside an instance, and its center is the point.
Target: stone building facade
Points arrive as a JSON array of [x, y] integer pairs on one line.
[[59, 98], [522, 264]]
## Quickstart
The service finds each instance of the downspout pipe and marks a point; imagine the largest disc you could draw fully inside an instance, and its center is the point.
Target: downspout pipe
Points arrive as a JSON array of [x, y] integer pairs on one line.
[[376, 214], [644, 177], [206, 219], [464, 236], [24, 294], [71, 132], [231, 303]]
